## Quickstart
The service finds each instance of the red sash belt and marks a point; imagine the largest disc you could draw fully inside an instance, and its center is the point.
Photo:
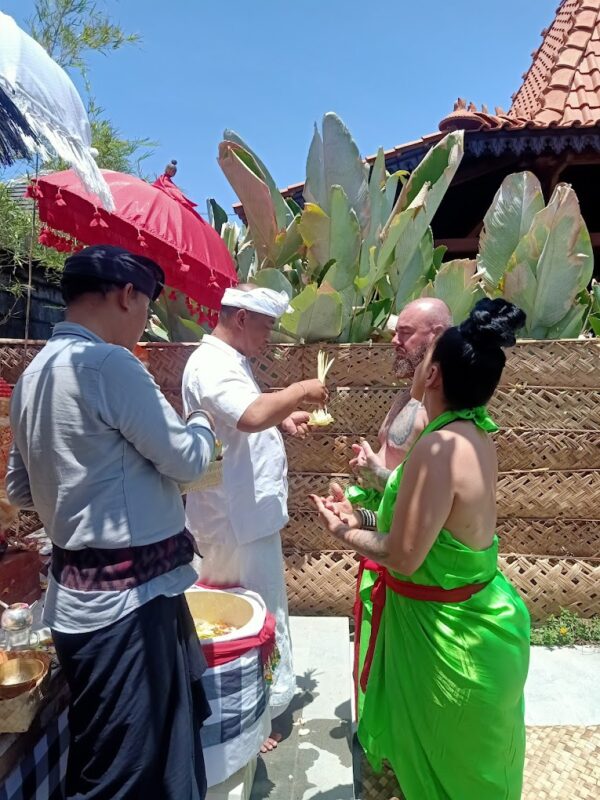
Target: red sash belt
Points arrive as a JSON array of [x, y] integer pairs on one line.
[[414, 591]]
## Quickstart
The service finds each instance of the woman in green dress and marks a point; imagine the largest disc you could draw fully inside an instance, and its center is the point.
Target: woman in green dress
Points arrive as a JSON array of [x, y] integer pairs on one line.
[[446, 672]]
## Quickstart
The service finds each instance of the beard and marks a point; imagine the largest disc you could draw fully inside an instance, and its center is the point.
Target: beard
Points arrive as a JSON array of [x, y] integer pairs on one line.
[[405, 364]]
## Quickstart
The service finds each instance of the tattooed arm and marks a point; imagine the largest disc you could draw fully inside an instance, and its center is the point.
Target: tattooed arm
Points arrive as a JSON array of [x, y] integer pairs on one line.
[[401, 428], [403, 431]]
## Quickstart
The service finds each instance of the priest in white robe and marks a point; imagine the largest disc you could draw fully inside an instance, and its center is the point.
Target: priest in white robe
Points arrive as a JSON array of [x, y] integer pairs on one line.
[[237, 524]]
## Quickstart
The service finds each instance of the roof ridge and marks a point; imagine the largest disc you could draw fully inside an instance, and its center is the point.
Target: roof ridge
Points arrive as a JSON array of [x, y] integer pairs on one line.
[[557, 87], [567, 42], [536, 54]]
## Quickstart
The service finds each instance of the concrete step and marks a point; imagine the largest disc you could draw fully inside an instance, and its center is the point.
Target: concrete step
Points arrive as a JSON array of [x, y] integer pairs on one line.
[[237, 787], [562, 686], [314, 762]]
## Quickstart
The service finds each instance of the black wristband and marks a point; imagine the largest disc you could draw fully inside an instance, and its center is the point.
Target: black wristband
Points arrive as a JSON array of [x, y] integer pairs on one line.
[[368, 519]]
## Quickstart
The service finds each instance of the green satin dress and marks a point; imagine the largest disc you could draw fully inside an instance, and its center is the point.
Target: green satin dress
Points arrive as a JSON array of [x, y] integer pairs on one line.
[[444, 701]]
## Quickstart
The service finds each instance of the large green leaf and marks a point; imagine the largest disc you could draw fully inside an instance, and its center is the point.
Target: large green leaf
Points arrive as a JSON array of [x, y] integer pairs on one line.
[[273, 279], [334, 160], [558, 252], [196, 330], [408, 278], [409, 223], [283, 213], [216, 214], [314, 226], [377, 183], [361, 326], [566, 264], [457, 284], [435, 171], [520, 287], [255, 197], [230, 233], [571, 326], [288, 244], [317, 315], [344, 241], [507, 221], [246, 261], [157, 331], [594, 321], [315, 189], [596, 297]]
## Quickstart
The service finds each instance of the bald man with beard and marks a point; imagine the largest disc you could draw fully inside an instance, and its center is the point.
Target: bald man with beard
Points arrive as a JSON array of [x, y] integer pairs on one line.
[[418, 325]]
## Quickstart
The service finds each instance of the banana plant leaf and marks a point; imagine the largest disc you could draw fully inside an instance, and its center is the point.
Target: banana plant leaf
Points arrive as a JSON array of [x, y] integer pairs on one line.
[[288, 244], [506, 222], [334, 160], [457, 284], [283, 212], [594, 317], [572, 325], [315, 227], [318, 314], [273, 279], [196, 331], [216, 215], [246, 261], [230, 233], [174, 318], [254, 195], [552, 264], [409, 278], [435, 171], [344, 242]]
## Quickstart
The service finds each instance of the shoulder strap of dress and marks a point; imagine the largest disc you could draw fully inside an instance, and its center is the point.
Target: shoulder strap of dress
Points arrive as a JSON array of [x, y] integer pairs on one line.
[[479, 416]]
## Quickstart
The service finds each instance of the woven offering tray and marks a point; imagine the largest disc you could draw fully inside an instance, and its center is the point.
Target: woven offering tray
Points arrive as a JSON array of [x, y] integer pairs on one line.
[[210, 479]]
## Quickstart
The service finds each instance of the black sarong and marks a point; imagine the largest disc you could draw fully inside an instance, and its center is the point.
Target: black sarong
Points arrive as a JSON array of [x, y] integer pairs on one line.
[[137, 706]]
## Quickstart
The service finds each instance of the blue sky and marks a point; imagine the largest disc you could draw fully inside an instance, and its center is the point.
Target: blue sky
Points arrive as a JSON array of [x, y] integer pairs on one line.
[[269, 69]]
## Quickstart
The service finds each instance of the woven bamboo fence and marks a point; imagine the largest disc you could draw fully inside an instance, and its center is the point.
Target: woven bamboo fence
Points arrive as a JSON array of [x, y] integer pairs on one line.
[[548, 407]]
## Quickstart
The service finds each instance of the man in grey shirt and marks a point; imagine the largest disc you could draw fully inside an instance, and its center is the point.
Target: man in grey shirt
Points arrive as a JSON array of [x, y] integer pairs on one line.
[[99, 453]]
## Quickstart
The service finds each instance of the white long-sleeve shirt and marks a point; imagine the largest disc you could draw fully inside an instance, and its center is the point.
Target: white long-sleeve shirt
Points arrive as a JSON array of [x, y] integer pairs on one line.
[[251, 502]]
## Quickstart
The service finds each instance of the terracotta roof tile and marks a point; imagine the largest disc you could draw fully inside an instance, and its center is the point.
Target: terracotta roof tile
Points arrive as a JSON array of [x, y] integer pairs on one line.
[[562, 86]]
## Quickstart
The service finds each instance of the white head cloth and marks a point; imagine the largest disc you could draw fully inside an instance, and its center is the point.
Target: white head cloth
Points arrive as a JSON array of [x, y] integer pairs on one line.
[[262, 301]]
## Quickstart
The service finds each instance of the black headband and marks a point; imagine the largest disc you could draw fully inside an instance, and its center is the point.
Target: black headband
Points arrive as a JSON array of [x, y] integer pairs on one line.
[[119, 266]]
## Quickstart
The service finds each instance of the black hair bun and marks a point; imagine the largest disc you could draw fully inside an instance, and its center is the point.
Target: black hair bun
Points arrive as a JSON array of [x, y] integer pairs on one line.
[[493, 323]]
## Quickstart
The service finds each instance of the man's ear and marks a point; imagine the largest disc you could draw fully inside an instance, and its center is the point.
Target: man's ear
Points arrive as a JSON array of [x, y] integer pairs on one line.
[[125, 296], [240, 318]]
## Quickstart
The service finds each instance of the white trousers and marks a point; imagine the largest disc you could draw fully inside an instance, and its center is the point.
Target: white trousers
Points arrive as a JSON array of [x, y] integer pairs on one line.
[[259, 567]]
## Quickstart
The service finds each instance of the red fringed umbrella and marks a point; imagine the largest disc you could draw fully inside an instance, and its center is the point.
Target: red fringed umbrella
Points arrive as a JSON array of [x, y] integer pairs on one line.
[[155, 220]]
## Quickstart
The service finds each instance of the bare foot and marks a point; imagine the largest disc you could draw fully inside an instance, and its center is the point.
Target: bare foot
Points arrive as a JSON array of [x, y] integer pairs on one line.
[[271, 742]]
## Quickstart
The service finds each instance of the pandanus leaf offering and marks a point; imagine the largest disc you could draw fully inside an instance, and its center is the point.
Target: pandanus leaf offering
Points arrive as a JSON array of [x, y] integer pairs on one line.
[[321, 417]]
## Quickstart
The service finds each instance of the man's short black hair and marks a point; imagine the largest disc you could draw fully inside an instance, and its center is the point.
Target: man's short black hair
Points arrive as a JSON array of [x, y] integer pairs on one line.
[[108, 264], [75, 286]]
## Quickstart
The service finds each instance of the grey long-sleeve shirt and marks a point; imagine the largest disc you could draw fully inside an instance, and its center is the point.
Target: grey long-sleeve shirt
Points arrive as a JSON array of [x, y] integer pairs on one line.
[[99, 452]]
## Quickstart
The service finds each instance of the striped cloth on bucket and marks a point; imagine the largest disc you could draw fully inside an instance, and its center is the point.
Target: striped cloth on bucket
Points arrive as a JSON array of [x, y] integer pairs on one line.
[[238, 697]]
